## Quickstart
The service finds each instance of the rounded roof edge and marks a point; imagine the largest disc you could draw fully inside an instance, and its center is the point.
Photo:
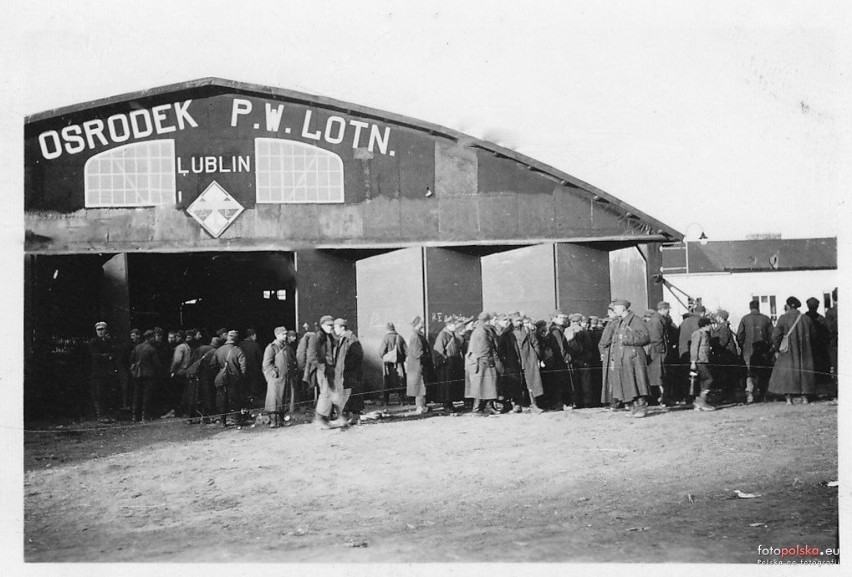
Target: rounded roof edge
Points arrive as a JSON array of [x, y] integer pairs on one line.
[[659, 228]]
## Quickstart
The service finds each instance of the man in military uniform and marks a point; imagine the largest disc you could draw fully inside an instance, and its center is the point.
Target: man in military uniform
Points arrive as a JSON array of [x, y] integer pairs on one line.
[[754, 336], [822, 359], [449, 365], [104, 370], [658, 349]]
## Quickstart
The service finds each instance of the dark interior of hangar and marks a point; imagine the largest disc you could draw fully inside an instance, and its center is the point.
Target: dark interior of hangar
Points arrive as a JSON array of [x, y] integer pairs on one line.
[[213, 290], [67, 294]]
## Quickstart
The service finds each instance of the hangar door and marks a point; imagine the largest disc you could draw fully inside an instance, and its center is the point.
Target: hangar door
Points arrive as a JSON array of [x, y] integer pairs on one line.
[[390, 290]]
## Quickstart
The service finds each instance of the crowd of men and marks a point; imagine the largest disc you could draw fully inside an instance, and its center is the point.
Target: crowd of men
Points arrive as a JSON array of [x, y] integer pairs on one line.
[[491, 364]]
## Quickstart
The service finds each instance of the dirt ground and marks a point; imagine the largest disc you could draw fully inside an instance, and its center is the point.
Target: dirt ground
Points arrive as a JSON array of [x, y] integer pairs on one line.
[[588, 485]]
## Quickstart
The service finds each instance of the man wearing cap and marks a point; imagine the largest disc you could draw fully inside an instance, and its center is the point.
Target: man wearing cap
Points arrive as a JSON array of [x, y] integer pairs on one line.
[[201, 396], [322, 355], [629, 375], [726, 355], [280, 369], [348, 370], [658, 348], [145, 370], [254, 365], [104, 370], [231, 366], [687, 328], [449, 365], [555, 375], [421, 372], [822, 360], [519, 350], [480, 366], [792, 343], [579, 346], [754, 336], [393, 351], [177, 383], [124, 364]]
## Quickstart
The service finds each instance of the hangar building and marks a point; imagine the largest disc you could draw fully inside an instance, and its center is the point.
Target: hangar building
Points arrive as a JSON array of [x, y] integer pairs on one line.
[[217, 203]]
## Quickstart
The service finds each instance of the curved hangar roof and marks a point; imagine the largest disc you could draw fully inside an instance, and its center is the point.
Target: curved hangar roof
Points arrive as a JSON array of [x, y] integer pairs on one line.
[[213, 164]]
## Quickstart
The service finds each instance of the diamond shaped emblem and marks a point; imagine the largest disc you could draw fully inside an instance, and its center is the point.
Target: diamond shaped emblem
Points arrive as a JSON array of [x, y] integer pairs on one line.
[[215, 209]]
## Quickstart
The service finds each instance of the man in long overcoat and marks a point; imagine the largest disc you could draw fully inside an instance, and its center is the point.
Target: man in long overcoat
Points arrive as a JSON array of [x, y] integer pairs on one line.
[[481, 367], [605, 349], [793, 373], [393, 373], [754, 336], [726, 356], [449, 365], [579, 346], [231, 365], [280, 370], [627, 358], [419, 368], [822, 360], [145, 369], [520, 351], [348, 368], [658, 349], [557, 360]]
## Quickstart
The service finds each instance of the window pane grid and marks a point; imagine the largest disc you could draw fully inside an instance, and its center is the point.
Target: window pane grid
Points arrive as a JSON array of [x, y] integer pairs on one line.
[[295, 172], [139, 174]]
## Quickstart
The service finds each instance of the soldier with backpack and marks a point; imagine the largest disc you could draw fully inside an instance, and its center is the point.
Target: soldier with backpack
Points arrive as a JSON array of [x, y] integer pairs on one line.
[[393, 352], [231, 365]]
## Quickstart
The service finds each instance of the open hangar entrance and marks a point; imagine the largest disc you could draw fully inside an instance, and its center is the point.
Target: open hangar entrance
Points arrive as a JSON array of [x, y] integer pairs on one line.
[[66, 294], [209, 290]]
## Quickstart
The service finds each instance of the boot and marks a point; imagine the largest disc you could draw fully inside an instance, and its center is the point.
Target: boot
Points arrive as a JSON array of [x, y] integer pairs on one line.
[[701, 404], [640, 408], [534, 408]]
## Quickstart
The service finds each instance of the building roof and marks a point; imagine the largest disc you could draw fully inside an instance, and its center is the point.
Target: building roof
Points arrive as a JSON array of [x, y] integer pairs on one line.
[[655, 229], [751, 256]]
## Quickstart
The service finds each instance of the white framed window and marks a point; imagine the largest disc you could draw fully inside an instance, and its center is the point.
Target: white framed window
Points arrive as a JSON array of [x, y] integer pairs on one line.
[[138, 174], [294, 172]]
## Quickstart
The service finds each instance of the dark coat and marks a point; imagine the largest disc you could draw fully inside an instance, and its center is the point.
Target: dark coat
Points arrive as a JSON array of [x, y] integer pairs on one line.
[[658, 349], [821, 345], [793, 373], [754, 336], [480, 364], [419, 367], [604, 346], [627, 359], [149, 361], [229, 355], [520, 352], [254, 362], [449, 367], [104, 357], [687, 327]]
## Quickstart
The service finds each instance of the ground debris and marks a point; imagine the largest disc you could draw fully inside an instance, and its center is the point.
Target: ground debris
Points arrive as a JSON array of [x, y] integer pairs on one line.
[[631, 529], [758, 524], [355, 544], [742, 495]]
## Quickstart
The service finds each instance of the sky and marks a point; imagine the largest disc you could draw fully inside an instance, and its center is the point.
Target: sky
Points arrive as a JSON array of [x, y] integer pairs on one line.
[[717, 117]]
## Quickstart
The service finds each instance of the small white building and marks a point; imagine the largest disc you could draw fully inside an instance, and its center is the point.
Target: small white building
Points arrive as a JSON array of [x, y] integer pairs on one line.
[[730, 274]]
